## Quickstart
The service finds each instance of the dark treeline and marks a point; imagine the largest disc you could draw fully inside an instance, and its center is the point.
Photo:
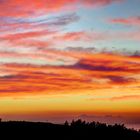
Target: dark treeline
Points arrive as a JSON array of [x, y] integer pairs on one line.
[[75, 130]]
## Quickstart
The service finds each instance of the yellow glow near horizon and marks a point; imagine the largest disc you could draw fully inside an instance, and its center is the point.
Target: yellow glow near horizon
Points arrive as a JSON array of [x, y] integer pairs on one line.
[[98, 102]]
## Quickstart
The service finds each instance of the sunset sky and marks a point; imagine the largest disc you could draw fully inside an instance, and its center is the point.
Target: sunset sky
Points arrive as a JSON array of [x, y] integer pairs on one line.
[[61, 59]]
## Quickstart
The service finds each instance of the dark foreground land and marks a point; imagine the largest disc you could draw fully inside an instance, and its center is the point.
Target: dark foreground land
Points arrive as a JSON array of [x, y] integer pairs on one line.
[[76, 130]]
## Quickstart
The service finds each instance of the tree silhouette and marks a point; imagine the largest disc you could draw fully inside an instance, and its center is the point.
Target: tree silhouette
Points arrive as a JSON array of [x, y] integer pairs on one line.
[[78, 123], [77, 129], [66, 123]]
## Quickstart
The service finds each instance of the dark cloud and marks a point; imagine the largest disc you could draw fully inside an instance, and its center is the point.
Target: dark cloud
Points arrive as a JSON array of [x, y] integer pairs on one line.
[[120, 79], [81, 49], [64, 20], [136, 54], [101, 67], [56, 20]]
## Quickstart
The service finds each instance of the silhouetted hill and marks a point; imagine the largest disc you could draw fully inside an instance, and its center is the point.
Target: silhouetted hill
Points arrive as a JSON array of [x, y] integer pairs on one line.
[[76, 130]]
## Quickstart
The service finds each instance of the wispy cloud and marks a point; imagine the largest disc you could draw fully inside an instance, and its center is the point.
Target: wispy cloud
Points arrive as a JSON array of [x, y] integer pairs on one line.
[[25, 8], [118, 98], [129, 97], [132, 21], [114, 70]]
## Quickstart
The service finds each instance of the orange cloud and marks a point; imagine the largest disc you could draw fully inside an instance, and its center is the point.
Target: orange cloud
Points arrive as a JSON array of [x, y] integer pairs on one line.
[[91, 72], [118, 98], [129, 97]]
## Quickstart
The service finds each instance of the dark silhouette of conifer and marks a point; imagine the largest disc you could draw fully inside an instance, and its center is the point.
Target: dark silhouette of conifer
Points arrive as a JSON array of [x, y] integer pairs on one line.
[[77, 129]]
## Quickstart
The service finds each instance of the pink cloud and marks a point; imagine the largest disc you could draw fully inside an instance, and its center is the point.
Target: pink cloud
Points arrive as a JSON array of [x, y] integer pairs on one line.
[[134, 21], [24, 8]]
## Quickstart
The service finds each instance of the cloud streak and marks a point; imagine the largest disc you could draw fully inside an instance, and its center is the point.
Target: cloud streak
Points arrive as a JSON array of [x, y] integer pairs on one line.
[[24, 8], [91, 72], [118, 98], [132, 21]]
